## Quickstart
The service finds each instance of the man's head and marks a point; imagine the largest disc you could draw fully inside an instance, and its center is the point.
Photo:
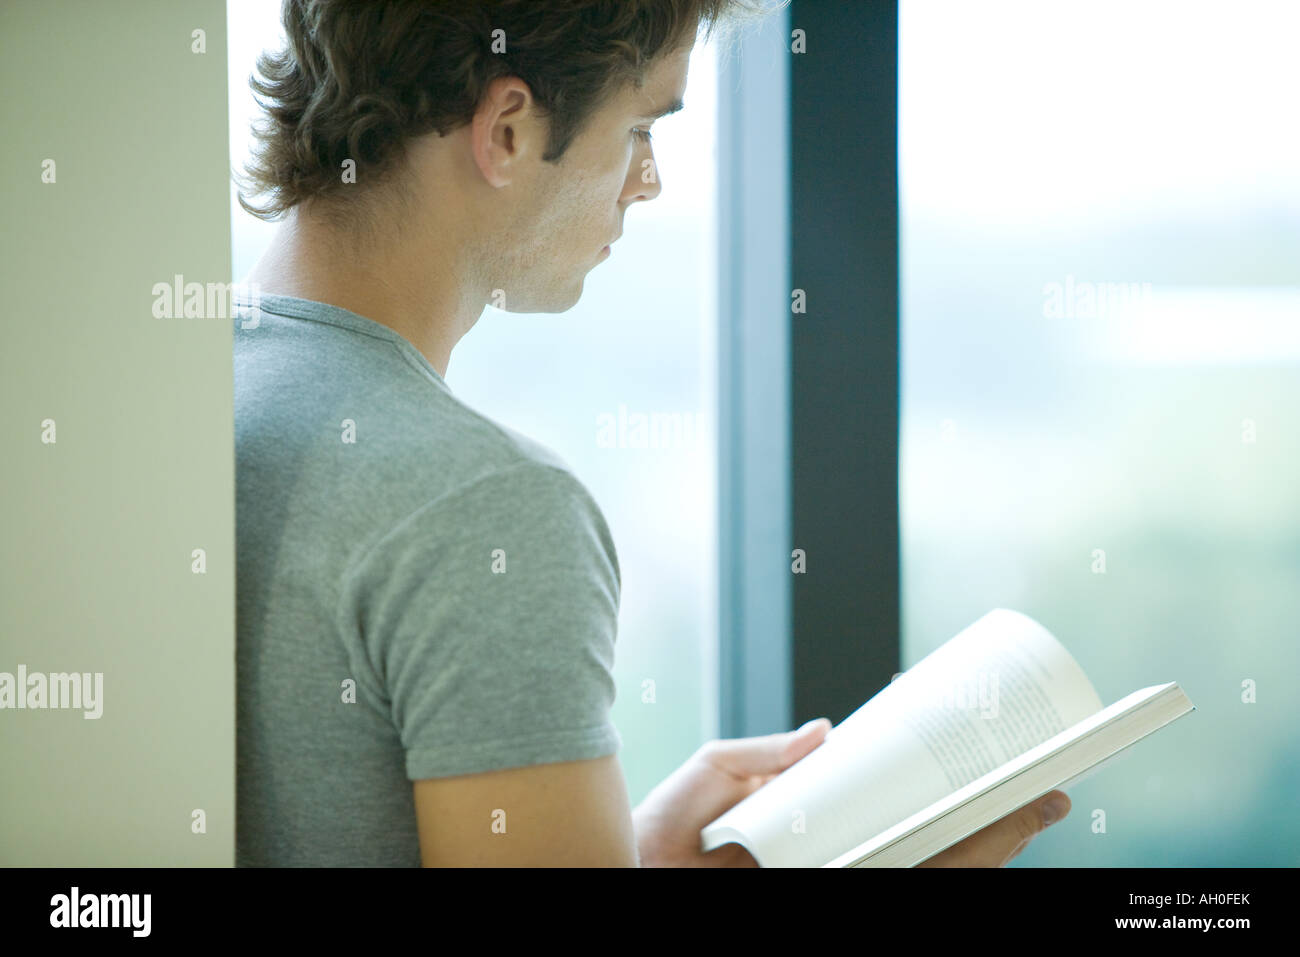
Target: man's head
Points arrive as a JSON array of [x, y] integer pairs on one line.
[[517, 126]]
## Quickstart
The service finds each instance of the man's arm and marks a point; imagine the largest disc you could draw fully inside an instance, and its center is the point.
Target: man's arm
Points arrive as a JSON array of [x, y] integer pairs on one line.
[[571, 814]]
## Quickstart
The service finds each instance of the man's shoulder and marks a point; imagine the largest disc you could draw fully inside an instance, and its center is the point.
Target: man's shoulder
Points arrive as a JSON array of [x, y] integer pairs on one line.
[[498, 496], [439, 463], [466, 449]]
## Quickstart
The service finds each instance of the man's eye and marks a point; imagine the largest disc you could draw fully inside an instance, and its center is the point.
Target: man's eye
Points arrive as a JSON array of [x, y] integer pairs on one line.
[[643, 135]]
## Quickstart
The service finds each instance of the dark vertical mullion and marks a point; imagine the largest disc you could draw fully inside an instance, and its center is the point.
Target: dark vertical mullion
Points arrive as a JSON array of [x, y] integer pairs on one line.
[[845, 354]]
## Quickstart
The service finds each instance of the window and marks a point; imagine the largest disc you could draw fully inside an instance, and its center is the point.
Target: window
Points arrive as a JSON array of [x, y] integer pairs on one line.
[[1101, 324]]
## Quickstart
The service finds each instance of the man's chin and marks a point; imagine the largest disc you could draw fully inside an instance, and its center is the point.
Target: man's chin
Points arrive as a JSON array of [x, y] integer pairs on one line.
[[549, 304]]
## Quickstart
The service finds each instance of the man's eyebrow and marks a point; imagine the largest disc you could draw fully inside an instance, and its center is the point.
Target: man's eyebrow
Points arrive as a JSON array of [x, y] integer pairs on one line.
[[671, 108]]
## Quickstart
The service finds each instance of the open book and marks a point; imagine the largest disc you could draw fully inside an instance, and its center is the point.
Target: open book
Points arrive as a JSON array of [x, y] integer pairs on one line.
[[990, 721]]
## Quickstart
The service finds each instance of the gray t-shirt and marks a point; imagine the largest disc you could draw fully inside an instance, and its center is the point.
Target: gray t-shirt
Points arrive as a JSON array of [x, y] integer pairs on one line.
[[421, 592]]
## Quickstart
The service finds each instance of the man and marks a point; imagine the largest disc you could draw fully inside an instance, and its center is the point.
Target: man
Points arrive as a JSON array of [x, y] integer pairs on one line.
[[427, 600]]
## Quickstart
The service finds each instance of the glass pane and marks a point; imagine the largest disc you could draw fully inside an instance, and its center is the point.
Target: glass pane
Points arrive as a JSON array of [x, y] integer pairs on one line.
[[622, 387], [1101, 325]]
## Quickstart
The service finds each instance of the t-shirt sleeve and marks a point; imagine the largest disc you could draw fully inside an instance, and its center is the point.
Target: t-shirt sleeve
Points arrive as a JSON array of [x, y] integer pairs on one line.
[[486, 624]]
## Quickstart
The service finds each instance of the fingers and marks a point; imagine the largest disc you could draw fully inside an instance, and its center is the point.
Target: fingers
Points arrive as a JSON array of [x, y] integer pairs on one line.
[[1032, 819], [1003, 840], [729, 855], [1055, 805], [765, 755]]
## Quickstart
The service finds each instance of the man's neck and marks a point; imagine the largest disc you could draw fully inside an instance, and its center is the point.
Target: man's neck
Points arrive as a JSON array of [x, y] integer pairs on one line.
[[396, 287]]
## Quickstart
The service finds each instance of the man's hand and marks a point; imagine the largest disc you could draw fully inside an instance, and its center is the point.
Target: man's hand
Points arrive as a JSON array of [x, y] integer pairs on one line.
[[715, 778], [723, 773], [1003, 840]]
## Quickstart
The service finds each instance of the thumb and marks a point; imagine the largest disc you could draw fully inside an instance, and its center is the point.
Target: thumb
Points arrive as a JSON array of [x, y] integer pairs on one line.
[[768, 753]]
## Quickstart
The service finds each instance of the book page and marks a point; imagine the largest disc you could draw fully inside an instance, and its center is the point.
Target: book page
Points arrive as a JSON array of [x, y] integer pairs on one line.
[[1000, 687]]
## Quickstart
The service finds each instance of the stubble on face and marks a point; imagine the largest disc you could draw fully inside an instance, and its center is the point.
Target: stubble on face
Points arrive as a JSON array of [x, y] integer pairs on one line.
[[559, 222], [567, 211]]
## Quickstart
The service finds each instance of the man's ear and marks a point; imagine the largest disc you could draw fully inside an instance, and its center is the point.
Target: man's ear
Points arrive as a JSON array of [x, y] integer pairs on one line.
[[505, 130]]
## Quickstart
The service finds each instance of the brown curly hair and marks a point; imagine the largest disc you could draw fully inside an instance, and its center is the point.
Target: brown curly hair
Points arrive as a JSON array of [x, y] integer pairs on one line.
[[357, 78]]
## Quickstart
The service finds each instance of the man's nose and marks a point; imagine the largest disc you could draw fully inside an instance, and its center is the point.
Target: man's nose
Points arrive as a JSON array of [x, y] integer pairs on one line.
[[644, 182]]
